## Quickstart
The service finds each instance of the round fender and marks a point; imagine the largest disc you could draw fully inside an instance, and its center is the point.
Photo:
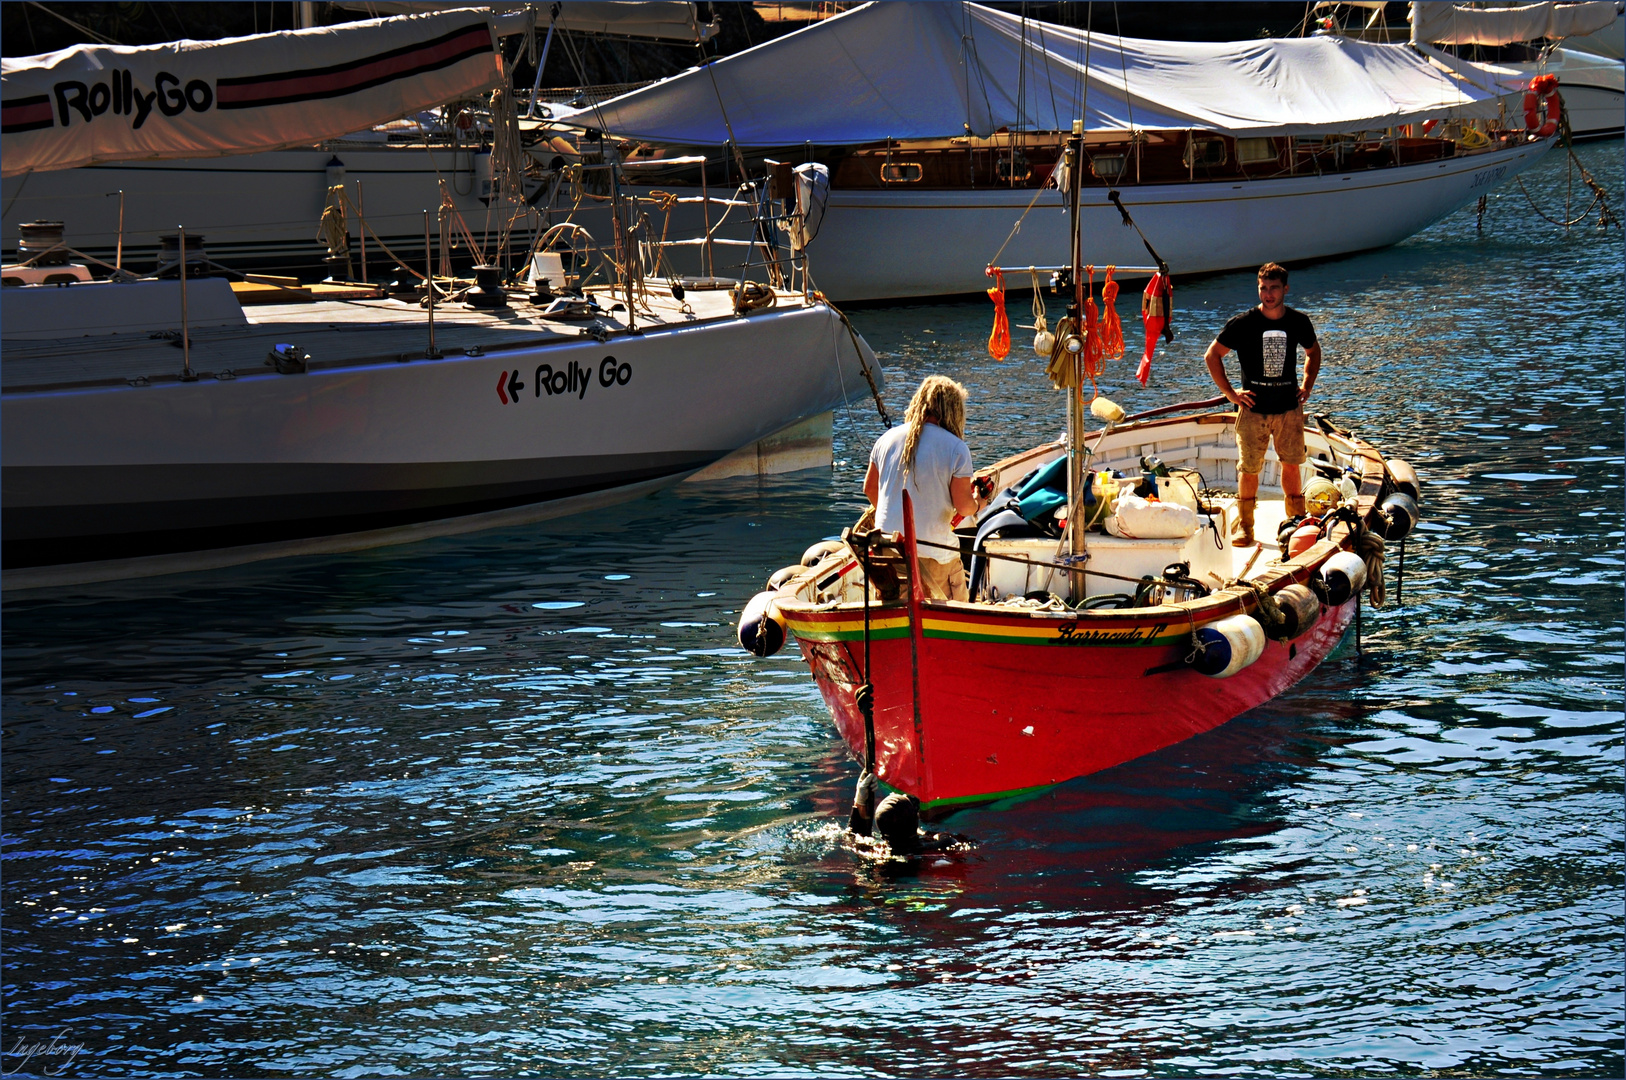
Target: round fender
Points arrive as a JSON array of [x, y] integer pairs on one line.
[[762, 628], [782, 575], [1303, 539], [1400, 513], [820, 551], [1345, 575], [1301, 606], [1229, 645], [1405, 478]]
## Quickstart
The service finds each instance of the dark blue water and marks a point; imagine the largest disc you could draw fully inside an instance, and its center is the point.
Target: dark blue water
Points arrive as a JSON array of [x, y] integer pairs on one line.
[[516, 804]]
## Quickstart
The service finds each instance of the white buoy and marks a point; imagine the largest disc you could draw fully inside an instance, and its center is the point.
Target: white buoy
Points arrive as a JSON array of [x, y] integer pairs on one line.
[[1106, 410], [821, 551], [1229, 645], [782, 575], [1345, 575], [762, 628]]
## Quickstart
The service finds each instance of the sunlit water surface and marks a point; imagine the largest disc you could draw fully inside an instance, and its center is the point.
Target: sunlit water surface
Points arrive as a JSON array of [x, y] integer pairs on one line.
[[517, 804]]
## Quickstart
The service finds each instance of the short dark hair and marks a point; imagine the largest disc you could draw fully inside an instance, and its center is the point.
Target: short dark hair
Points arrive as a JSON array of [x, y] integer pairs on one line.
[[1273, 271]]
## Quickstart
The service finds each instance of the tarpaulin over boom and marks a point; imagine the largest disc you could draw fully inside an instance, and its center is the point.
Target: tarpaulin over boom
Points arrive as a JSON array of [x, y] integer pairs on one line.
[[930, 70], [93, 104]]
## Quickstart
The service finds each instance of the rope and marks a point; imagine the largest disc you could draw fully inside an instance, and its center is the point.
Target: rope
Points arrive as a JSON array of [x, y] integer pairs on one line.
[[1040, 322], [333, 230], [869, 377], [1062, 371], [1369, 546], [1112, 330], [1269, 612], [1094, 366], [999, 341]]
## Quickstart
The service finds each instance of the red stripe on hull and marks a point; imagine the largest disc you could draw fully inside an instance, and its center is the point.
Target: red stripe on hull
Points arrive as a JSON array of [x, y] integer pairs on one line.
[[1000, 718]]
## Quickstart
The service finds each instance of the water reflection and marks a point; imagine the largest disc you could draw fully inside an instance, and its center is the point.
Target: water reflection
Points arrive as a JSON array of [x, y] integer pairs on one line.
[[515, 803]]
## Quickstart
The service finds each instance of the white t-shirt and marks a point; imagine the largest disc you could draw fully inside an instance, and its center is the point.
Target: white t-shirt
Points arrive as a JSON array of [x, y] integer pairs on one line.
[[939, 458]]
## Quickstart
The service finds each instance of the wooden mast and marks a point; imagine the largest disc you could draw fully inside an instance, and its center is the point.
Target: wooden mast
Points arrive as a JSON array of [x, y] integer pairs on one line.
[[1075, 393]]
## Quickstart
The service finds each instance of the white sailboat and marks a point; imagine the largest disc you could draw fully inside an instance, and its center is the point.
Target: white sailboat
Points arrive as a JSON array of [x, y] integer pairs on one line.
[[260, 210], [156, 425], [1231, 153]]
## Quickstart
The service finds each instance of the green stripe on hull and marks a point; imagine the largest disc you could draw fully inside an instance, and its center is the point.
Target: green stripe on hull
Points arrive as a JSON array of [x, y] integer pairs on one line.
[[995, 796], [893, 634]]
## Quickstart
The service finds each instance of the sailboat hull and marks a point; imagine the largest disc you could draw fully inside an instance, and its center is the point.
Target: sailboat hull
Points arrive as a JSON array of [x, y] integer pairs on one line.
[[107, 469], [879, 244]]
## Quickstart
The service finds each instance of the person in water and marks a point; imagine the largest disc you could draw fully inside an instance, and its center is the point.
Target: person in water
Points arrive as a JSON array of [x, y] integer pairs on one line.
[[1270, 405], [927, 456]]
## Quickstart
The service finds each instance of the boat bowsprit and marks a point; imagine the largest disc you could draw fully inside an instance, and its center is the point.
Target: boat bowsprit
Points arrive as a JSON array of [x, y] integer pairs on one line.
[[1060, 666]]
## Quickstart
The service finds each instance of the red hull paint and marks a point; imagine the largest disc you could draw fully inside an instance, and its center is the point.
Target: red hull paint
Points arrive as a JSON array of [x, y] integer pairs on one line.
[[1002, 717]]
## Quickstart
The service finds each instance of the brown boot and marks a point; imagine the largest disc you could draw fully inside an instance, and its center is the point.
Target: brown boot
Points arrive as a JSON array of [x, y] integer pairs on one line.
[[1244, 521], [1294, 505]]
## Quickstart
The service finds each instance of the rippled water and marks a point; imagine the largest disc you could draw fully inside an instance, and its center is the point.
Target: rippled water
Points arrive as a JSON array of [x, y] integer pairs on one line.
[[516, 803]]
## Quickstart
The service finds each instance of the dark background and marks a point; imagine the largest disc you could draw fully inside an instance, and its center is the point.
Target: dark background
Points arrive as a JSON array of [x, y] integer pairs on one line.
[[28, 27]]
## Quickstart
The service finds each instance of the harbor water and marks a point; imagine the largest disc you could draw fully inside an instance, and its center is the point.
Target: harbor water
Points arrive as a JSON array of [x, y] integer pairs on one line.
[[517, 804]]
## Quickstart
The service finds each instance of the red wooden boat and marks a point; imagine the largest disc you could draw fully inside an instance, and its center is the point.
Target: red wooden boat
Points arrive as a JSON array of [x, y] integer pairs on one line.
[[1133, 625], [1004, 695]]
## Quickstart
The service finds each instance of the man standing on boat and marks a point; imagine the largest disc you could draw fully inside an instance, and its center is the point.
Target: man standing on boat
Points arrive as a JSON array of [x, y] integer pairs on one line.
[[1270, 405], [928, 457]]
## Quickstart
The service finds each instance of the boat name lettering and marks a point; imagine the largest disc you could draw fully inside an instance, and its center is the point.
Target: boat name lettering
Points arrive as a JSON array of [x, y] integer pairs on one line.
[[1073, 634], [569, 380], [120, 95], [1486, 177]]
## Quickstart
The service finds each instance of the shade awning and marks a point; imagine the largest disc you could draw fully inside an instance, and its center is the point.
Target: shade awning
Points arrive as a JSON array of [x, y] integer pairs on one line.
[[931, 70]]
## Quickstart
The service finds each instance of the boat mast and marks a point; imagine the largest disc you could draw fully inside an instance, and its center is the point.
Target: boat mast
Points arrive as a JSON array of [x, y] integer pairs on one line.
[[1075, 393]]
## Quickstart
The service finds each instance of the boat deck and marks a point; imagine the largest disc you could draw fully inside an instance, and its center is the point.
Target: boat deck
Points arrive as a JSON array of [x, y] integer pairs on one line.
[[139, 340]]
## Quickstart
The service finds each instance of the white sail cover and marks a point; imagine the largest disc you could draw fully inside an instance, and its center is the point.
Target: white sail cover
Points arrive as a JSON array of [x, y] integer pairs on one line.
[[658, 20], [1446, 23], [925, 70], [93, 104]]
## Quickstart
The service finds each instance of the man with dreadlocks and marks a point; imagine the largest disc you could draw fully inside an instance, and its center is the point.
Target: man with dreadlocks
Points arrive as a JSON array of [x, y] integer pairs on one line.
[[928, 457]]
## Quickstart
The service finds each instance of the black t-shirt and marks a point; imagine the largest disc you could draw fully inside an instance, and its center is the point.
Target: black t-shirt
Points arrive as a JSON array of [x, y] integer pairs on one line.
[[1268, 350]]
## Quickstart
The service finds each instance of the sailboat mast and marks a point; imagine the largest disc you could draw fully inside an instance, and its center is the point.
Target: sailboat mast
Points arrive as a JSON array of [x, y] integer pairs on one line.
[[1075, 392]]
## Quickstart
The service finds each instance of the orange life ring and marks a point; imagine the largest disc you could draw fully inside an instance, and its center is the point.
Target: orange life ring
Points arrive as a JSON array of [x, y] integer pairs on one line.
[[1542, 106]]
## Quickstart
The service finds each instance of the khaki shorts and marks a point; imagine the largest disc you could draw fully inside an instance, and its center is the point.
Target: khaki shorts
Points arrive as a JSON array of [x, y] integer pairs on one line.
[[1255, 431], [943, 580]]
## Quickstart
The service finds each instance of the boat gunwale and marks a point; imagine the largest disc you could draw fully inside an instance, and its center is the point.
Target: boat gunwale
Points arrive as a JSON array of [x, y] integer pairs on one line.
[[544, 336], [1237, 598]]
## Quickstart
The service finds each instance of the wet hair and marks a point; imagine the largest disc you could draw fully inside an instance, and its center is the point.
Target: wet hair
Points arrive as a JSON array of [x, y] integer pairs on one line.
[[942, 401], [1273, 271]]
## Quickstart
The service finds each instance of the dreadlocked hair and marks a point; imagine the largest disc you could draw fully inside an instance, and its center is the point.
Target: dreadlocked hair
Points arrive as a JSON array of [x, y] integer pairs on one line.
[[940, 400]]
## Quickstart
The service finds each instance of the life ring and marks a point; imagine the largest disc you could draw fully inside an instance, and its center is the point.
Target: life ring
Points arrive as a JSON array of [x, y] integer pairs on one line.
[[1542, 106]]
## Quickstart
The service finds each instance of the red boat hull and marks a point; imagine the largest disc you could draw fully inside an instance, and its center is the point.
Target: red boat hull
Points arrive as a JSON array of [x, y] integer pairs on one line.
[[995, 719]]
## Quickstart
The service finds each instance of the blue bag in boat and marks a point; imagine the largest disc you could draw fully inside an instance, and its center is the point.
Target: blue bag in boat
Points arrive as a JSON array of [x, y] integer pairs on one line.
[[1044, 492]]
